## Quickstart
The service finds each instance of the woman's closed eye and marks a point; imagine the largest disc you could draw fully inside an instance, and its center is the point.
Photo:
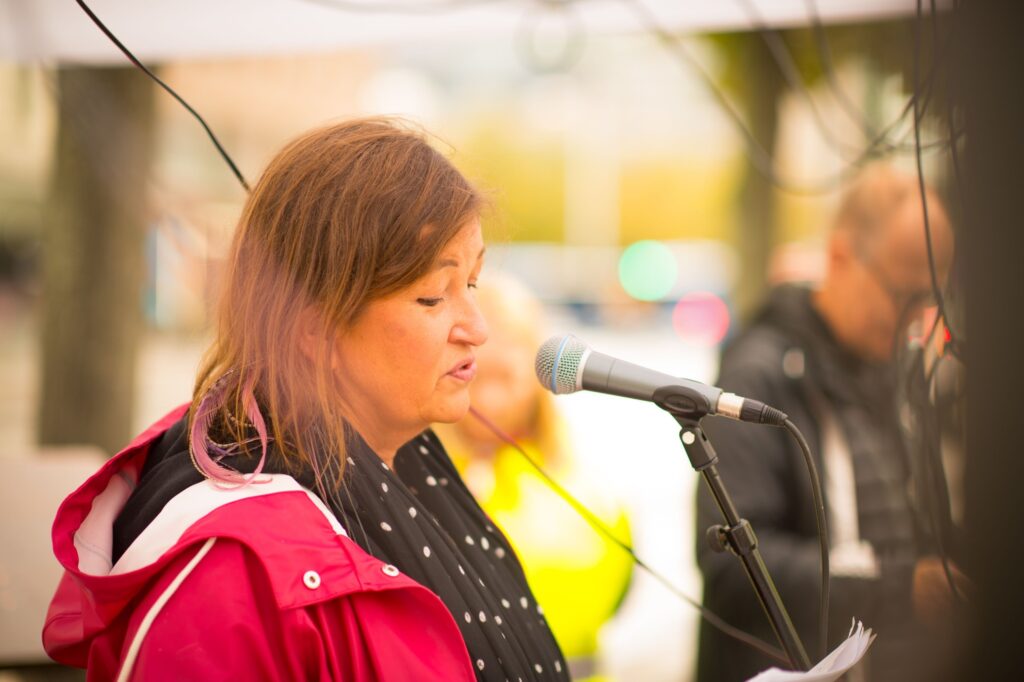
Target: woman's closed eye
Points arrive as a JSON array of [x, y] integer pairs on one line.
[[431, 301]]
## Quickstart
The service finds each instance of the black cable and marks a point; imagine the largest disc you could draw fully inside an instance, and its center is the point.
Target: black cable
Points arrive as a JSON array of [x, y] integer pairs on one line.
[[822, 522], [954, 154], [939, 491], [828, 67], [761, 160], [936, 289], [935, 480], [937, 494], [962, 189], [131, 57], [958, 597], [846, 103], [712, 618], [787, 66], [758, 156], [756, 153]]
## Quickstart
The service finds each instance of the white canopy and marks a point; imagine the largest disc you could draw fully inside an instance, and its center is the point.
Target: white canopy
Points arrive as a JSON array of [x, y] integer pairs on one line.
[[156, 31]]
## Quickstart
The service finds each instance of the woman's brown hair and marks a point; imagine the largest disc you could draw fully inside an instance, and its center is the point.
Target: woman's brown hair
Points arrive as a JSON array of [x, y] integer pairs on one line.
[[342, 216]]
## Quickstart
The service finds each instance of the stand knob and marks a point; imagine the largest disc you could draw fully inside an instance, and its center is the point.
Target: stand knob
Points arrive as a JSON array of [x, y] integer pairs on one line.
[[715, 536]]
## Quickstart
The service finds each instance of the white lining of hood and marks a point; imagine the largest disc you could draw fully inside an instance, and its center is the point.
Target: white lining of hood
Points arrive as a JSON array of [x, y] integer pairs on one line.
[[95, 536], [196, 502]]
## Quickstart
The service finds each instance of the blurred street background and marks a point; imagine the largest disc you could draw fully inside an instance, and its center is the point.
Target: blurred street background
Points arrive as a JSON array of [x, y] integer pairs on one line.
[[654, 166]]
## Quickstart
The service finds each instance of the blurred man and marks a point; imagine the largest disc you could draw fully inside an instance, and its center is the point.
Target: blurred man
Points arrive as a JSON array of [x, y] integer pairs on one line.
[[825, 358]]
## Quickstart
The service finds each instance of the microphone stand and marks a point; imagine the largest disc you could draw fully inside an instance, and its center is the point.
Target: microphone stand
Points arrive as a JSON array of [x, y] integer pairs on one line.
[[736, 534]]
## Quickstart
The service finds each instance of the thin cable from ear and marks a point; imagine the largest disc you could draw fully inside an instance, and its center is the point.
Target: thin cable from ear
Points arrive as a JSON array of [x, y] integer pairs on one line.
[[954, 340], [711, 617], [134, 60]]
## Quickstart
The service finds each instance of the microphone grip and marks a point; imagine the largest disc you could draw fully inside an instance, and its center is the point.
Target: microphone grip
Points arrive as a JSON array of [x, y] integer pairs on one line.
[[605, 374]]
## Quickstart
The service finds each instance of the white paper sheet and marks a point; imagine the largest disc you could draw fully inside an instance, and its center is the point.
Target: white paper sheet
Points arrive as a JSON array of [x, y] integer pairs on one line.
[[830, 668]]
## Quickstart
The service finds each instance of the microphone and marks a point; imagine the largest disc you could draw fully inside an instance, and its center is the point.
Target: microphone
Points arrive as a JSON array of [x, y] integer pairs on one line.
[[566, 364]]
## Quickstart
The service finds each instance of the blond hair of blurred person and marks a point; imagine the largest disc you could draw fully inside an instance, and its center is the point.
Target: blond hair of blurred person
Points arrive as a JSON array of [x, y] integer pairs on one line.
[[578, 576]]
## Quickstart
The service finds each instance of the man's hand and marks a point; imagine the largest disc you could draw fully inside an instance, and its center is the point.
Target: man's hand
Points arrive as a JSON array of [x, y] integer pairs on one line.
[[933, 597]]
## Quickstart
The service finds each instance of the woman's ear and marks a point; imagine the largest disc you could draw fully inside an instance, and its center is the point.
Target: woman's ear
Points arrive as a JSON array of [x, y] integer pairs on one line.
[[315, 341], [311, 333]]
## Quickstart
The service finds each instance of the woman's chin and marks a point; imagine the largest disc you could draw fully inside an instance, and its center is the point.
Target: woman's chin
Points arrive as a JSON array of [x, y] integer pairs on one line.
[[450, 412]]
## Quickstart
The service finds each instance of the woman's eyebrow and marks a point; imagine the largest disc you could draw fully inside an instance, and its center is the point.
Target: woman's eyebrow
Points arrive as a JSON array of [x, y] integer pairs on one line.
[[453, 263]]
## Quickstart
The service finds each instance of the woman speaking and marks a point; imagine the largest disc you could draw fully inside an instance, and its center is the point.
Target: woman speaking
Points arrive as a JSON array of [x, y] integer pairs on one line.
[[298, 520]]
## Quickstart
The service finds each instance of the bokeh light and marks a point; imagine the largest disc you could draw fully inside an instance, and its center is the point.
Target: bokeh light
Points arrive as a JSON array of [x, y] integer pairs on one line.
[[701, 318], [647, 270]]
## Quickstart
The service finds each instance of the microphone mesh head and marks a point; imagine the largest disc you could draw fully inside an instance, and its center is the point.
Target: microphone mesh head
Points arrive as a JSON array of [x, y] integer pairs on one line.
[[558, 363]]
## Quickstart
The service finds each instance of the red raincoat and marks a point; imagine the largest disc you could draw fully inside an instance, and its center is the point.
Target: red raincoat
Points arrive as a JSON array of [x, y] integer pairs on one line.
[[253, 583]]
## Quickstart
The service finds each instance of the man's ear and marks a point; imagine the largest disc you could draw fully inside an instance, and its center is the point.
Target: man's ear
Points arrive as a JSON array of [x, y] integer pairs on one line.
[[841, 250]]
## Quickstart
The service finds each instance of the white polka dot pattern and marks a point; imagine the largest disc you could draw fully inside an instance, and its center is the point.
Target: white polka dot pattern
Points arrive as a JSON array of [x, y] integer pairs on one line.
[[411, 484]]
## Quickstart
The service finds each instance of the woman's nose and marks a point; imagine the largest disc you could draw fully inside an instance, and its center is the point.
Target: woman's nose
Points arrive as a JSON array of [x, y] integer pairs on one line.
[[471, 327]]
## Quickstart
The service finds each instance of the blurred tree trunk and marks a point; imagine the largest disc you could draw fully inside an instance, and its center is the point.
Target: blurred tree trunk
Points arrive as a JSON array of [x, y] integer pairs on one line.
[[94, 256], [761, 87]]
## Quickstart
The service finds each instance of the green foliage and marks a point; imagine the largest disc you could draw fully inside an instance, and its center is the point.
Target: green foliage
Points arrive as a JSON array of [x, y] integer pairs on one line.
[[671, 197], [525, 176], [883, 47]]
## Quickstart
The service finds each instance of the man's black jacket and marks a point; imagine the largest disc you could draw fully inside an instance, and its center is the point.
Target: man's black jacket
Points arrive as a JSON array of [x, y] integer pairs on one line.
[[789, 359]]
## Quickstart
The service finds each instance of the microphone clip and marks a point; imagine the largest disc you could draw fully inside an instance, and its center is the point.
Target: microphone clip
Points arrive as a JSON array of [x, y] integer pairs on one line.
[[687, 405]]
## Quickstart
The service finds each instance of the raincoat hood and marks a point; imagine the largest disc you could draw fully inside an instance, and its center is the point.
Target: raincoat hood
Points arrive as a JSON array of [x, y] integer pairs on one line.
[[90, 597]]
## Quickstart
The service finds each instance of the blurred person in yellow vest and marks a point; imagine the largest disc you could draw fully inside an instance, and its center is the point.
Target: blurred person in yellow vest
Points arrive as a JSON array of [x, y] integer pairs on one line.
[[578, 576]]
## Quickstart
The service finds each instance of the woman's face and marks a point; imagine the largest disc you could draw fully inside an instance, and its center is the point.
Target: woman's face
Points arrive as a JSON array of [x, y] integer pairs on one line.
[[408, 359]]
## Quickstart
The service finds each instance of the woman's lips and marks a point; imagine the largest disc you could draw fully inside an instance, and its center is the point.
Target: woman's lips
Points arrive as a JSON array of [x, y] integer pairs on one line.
[[464, 371]]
